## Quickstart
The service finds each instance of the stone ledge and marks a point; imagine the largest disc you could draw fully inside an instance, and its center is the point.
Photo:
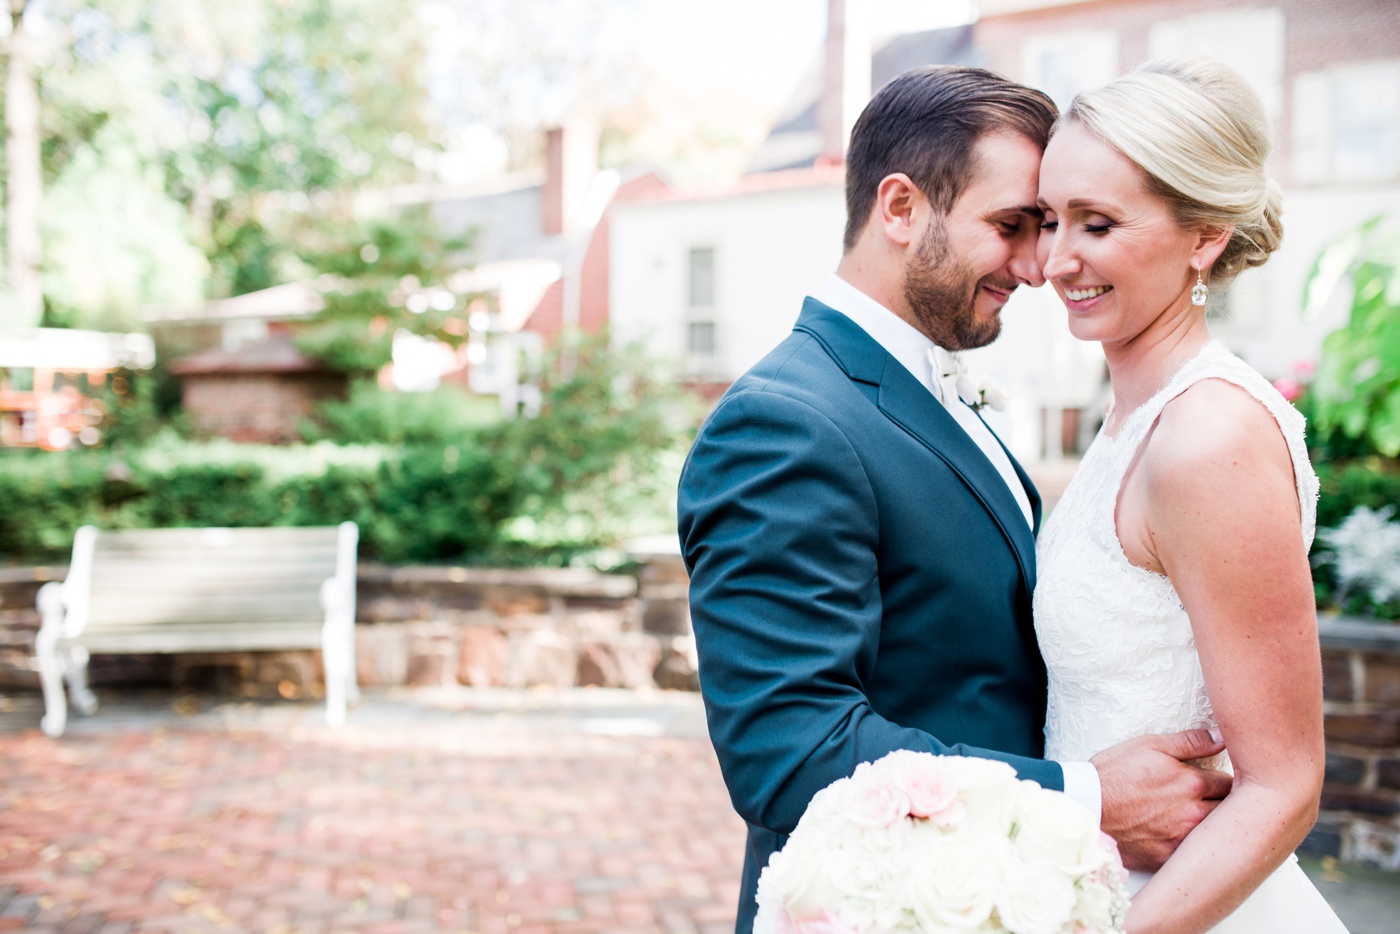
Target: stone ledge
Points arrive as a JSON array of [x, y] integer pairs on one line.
[[559, 582], [1352, 632]]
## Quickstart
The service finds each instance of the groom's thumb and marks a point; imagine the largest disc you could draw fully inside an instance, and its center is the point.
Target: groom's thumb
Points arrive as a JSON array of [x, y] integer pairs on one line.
[[1193, 744]]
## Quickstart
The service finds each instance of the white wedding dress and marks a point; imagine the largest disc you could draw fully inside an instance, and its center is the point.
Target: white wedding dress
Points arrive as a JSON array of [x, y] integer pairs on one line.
[[1118, 644]]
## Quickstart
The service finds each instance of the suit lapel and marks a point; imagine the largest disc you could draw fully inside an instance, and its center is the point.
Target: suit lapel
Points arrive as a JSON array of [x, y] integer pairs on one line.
[[909, 404]]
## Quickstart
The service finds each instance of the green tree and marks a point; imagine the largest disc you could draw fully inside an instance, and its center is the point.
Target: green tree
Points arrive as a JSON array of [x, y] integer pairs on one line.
[[385, 277]]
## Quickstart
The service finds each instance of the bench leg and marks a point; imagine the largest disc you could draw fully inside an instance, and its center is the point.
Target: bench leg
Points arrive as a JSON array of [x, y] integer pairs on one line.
[[336, 660], [51, 680], [76, 675]]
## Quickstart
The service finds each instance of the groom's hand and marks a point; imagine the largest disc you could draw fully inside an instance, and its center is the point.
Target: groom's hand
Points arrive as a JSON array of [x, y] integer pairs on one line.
[[1153, 797]]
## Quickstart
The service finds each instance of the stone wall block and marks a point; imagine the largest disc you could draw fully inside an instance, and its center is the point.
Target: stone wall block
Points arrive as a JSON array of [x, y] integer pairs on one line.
[[1388, 773], [1374, 843], [1361, 800], [1337, 684], [1378, 728], [517, 601], [381, 655], [595, 624], [666, 616], [393, 608], [1325, 839], [525, 622], [1344, 770], [624, 660], [1382, 680], [433, 653], [485, 656], [541, 657], [679, 668]]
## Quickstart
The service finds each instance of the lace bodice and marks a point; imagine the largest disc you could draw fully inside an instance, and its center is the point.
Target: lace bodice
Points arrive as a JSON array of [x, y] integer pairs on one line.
[[1116, 640]]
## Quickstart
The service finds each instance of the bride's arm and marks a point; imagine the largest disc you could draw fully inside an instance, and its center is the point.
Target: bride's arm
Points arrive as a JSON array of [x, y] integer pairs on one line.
[[1219, 512]]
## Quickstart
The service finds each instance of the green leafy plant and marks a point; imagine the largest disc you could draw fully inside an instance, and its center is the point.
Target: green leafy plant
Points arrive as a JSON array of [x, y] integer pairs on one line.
[[1356, 392]]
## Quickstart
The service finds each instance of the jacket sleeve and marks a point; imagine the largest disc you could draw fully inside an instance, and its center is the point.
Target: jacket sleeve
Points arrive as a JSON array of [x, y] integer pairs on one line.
[[779, 528]]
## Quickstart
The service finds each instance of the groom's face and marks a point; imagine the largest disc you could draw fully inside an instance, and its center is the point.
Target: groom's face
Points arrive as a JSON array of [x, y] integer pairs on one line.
[[970, 260]]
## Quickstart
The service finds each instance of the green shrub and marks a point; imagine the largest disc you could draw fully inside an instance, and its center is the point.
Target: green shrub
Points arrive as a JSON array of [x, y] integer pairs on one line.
[[1369, 483], [372, 415], [598, 463]]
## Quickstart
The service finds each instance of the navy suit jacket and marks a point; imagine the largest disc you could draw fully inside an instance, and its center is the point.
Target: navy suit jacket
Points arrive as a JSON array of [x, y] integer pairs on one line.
[[861, 581]]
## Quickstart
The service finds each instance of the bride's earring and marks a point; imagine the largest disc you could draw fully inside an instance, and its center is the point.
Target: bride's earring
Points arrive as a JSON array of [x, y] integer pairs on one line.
[[1198, 294]]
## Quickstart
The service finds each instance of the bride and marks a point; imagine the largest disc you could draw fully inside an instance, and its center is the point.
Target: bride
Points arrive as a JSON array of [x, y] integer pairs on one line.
[[1174, 589]]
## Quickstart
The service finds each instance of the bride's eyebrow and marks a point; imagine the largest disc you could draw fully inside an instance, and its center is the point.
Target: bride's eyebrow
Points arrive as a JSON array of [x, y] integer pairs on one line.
[[1094, 205]]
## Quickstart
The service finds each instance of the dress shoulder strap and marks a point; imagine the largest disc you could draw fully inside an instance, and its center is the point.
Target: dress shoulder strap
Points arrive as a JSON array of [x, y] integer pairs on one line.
[[1214, 361]]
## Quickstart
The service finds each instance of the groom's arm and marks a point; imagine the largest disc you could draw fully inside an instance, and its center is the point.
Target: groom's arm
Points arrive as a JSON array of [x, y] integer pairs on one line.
[[779, 529]]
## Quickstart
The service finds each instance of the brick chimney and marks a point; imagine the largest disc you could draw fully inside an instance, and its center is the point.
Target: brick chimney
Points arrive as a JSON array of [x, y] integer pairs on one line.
[[845, 77], [571, 162]]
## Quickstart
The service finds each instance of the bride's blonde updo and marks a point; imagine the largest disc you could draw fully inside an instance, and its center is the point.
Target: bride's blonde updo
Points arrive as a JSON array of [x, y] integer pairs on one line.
[[1198, 133]]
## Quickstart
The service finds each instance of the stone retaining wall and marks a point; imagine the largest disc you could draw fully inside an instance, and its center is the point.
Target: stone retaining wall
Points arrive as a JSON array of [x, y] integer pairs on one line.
[[432, 626], [522, 628], [1360, 819]]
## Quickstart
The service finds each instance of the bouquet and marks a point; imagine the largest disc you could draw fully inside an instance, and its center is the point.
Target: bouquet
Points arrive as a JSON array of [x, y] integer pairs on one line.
[[924, 843]]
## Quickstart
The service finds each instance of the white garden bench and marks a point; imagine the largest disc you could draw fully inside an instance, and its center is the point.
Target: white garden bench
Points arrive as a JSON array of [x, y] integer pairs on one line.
[[199, 590]]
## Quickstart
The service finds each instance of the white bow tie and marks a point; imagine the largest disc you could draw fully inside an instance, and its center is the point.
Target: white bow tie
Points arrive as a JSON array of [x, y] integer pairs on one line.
[[946, 370]]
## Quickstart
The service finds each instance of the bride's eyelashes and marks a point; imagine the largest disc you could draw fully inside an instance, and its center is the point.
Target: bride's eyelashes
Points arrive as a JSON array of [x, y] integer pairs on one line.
[[1088, 228]]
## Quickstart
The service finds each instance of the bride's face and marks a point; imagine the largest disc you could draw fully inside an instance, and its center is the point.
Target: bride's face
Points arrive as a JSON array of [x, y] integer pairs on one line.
[[1110, 248]]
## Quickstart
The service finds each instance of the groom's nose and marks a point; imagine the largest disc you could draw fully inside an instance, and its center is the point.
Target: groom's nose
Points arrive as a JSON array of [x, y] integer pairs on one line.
[[1024, 265]]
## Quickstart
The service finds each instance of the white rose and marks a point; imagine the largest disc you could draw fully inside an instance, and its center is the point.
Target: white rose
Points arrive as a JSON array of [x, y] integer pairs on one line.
[[988, 791], [1036, 899], [796, 879], [1094, 909], [953, 880], [1053, 827]]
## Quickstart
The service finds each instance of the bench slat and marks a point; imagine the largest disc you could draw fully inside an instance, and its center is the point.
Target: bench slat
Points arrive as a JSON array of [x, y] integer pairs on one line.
[[247, 637]]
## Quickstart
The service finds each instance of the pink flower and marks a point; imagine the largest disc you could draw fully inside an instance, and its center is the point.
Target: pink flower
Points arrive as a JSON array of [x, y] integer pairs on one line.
[[1289, 388], [1305, 369], [826, 924], [934, 795], [879, 801]]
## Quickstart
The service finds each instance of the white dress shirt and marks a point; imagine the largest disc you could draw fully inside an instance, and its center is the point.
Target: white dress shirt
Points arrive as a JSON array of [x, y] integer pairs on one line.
[[912, 349]]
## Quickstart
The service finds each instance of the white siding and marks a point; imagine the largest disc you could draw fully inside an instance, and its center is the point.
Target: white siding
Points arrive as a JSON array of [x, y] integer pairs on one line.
[[771, 249]]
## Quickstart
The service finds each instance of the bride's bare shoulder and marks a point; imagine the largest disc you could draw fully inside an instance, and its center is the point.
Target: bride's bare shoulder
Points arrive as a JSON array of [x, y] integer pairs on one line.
[[1217, 440]]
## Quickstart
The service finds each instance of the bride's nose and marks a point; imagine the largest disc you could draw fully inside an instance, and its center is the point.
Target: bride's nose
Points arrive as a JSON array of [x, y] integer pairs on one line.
[[1060, 260]]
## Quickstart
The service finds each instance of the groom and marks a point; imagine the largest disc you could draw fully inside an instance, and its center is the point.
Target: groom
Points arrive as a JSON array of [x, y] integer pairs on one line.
[[861, 546]]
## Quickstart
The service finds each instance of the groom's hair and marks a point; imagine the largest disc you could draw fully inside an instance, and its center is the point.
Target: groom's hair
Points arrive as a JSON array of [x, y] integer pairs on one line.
[[925, 123]]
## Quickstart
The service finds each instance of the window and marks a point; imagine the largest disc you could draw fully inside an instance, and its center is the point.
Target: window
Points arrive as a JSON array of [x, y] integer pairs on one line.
[[1249, 41], [701, 337], [1065, 64], [1346, 123]]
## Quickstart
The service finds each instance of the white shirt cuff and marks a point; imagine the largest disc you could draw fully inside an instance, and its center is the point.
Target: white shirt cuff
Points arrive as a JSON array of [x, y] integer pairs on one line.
[[1082, 785]]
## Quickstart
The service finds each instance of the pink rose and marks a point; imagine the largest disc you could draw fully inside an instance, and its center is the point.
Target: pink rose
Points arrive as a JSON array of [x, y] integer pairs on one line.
[[933, 794], [1288, 388], [878, 800], [826, 924]]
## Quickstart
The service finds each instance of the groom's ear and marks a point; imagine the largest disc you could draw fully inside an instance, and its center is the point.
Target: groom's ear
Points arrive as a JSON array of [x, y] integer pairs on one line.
[[900, 209]]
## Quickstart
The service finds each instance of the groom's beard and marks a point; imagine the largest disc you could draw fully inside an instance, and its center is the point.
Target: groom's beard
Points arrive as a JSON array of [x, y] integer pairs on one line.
[[941, 290]]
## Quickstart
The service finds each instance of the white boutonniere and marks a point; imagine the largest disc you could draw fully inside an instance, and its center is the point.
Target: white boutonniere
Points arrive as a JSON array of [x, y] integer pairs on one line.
[[979, 389]]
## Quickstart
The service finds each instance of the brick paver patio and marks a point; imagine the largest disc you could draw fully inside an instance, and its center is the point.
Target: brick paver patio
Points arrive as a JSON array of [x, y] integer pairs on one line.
[[470, 811]]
